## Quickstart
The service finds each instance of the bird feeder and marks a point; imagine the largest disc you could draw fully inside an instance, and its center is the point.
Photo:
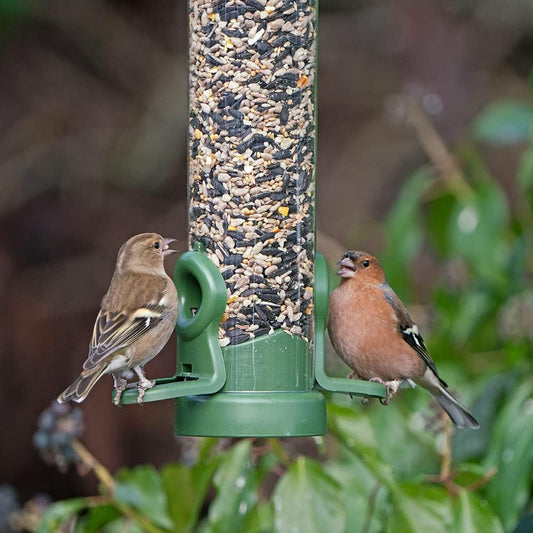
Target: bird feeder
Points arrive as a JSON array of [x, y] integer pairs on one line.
[[253, 292]]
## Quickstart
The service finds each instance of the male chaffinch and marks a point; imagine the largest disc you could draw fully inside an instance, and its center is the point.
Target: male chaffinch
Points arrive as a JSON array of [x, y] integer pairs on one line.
[[372, 331], [136, 318]]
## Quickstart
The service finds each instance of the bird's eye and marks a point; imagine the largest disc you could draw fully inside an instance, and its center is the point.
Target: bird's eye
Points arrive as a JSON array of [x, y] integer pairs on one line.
[[366, 263], [156, 245]]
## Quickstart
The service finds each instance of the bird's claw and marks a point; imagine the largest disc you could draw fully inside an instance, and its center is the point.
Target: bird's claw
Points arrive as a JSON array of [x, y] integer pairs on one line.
[[120, 386], [144, 385], [116, 399], [390, 386]]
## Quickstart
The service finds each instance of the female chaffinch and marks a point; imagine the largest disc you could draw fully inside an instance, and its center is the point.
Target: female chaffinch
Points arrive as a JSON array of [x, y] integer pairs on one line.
[[373, 333], [136, 318]]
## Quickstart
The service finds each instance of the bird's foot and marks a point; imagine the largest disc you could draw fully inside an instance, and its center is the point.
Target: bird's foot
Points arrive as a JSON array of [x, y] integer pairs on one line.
[[391, 387], [120, 386], [144, 385]]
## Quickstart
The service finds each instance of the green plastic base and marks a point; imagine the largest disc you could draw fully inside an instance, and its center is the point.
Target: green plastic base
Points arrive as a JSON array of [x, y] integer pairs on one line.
[[252, 414]]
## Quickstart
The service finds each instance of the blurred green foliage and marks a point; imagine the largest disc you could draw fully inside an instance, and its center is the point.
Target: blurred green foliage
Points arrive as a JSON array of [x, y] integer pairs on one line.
[[386, 469]]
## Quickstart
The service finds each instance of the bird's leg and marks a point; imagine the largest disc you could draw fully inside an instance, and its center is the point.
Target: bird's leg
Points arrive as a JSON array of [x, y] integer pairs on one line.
[[121, 385], [391, 386], [144, 383]]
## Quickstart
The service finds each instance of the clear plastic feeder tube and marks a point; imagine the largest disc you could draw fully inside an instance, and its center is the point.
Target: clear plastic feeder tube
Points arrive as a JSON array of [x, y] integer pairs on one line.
[[252, 159]]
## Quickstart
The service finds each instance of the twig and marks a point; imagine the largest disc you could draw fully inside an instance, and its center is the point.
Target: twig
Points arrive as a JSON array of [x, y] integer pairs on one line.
[[446, 464], [107, 480], [436, 149], [482, 481], [90, 461]]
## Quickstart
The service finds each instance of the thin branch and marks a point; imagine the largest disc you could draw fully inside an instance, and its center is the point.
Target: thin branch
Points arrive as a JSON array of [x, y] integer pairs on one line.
[[482, 481], [436, 149], [107, 480], [446, 464]]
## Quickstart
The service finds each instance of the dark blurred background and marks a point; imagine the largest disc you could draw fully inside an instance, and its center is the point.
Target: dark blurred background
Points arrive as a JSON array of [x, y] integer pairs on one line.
[[93, 121]]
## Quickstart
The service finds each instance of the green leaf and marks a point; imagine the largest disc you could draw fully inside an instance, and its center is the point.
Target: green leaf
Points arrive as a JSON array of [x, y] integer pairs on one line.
[[186, 489], [404, 229], [142, 488], [472, 515], [307, 499], [419, 508], [409, 452], [356, 434], [525, 171], [476, 231], [236, 490], [504, 122], [439, 211], [260, 519], [97, 517], [363, 498], [59, 512], [122, 525], [512, 453]]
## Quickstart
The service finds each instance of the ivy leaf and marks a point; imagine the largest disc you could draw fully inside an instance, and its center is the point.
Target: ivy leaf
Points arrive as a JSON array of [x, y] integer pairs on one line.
[[307, 499], [472, 515], [404, 229], [236, 490], [511, 452], [504, 122], [476, 231], [419, 508], [142, 488], [97, 518], [260, 519], [186, 489], [59, 512]]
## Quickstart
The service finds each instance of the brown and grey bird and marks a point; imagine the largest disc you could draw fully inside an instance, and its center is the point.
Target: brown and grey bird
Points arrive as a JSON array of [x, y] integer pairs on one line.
[[136, 318], [372, 331]]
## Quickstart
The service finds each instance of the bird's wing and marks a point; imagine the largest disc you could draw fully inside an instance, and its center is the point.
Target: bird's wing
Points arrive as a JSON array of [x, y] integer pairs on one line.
[[409, 330], [114, 331]]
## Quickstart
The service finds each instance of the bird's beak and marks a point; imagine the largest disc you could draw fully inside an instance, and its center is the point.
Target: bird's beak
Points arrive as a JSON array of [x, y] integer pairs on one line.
[[166, 243], [347, 268]]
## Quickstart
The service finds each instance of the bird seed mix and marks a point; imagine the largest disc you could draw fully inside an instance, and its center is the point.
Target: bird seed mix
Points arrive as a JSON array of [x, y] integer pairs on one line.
[[251, 158]]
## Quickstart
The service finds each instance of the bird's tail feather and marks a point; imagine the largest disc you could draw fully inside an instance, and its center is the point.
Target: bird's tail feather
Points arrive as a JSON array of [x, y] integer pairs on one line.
[[460, 415], [81, 387]]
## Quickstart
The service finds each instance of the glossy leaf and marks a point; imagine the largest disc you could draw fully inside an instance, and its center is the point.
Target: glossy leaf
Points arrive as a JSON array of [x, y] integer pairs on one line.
[[476, 231], [236, 489], [364, 499], [142, 488], [419, 508], [260, 519], [123, 525], [59, 512], [525, 171], [186, 489], [504, 122], [307, 499], [472, 515], [512, 453], [97, 518], [356, 434], [404, 229]]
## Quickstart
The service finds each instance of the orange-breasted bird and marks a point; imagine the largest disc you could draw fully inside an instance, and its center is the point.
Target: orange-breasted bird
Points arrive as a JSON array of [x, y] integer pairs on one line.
[[136, 318], [373, 333]]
